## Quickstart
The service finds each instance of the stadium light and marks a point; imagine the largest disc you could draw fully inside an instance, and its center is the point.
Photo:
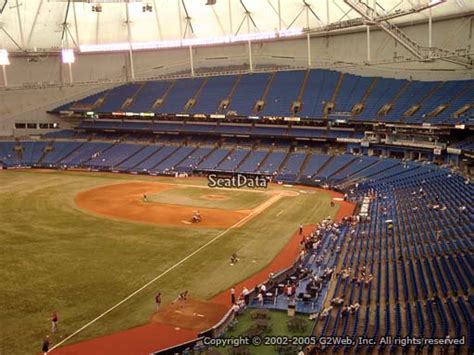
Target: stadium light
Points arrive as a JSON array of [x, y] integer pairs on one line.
[[67, 55], [4, 60], [68, 58], [245, 37]]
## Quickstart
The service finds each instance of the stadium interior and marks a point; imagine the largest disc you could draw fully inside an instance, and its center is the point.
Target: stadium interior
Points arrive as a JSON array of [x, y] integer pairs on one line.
[[370, 100]]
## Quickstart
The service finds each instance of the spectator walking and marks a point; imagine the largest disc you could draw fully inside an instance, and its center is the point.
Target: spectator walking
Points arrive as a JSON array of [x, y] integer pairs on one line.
[[246, 294], [45, 347]]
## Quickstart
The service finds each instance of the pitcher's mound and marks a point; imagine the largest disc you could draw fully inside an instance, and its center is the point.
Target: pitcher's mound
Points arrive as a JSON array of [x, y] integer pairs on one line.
[[211, 197], [191, 314]]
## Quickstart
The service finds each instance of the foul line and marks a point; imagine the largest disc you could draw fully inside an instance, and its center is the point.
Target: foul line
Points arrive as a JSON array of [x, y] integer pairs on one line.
[[256, 211]]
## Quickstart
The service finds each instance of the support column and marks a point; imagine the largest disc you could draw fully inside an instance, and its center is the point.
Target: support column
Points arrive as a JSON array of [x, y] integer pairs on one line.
[[130, 52], [430, 31], [231, 29], [368, 43], [249, 44], [191, 60], [5, 79], [250, 56], [308, 38], [308, 44], [279, 16], [70, 73]]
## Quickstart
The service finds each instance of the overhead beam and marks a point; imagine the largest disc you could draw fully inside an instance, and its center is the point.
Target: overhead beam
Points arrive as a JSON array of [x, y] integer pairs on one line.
[[20, 24], [30, 35], [10, 37]]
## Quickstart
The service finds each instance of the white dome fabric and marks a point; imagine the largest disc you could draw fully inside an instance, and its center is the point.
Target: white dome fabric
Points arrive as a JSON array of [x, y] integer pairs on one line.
[[38, 24]]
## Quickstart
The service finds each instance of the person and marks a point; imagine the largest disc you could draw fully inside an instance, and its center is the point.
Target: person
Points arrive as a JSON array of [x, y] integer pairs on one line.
[[45, 347], [158, 301], [184, 295], [332, 203], [246, 295], [344, 311], [232, 295], [145, 199], [234, 259], [236, 308], [54, 322], [260, 299], [301, 229], [197, 217]]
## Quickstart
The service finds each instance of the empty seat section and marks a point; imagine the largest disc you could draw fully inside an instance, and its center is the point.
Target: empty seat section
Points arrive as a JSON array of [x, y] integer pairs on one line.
[[315, 162], [193, 159], [441, 96], [117, 96], [84, 104], [115, 155], [181, 92], [84, 153], [413, 95], [170, 162], [217, 88], [359, 164], [154, 159], [148, 95], [351, 91], [138, 157], [60, 150], [284, 90], [319, 89], [292, 167], [32, 152], [253, 161], [213, 159], [232, 161], [273, 162], [382, 93], [465, 98], [334, 165], [250, 89], [7, 153]]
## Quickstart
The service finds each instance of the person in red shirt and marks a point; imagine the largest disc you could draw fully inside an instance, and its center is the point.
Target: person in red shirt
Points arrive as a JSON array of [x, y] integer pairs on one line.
[[54, 322]]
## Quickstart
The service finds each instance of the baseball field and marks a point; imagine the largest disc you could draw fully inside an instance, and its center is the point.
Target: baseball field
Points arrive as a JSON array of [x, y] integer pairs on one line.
[[79, 243]]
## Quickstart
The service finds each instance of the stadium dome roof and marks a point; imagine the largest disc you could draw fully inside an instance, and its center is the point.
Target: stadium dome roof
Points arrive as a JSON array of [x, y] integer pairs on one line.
[[30, 25]]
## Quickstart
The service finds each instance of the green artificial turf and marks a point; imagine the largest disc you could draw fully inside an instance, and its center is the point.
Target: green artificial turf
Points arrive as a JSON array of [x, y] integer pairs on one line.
[[55, 257]]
